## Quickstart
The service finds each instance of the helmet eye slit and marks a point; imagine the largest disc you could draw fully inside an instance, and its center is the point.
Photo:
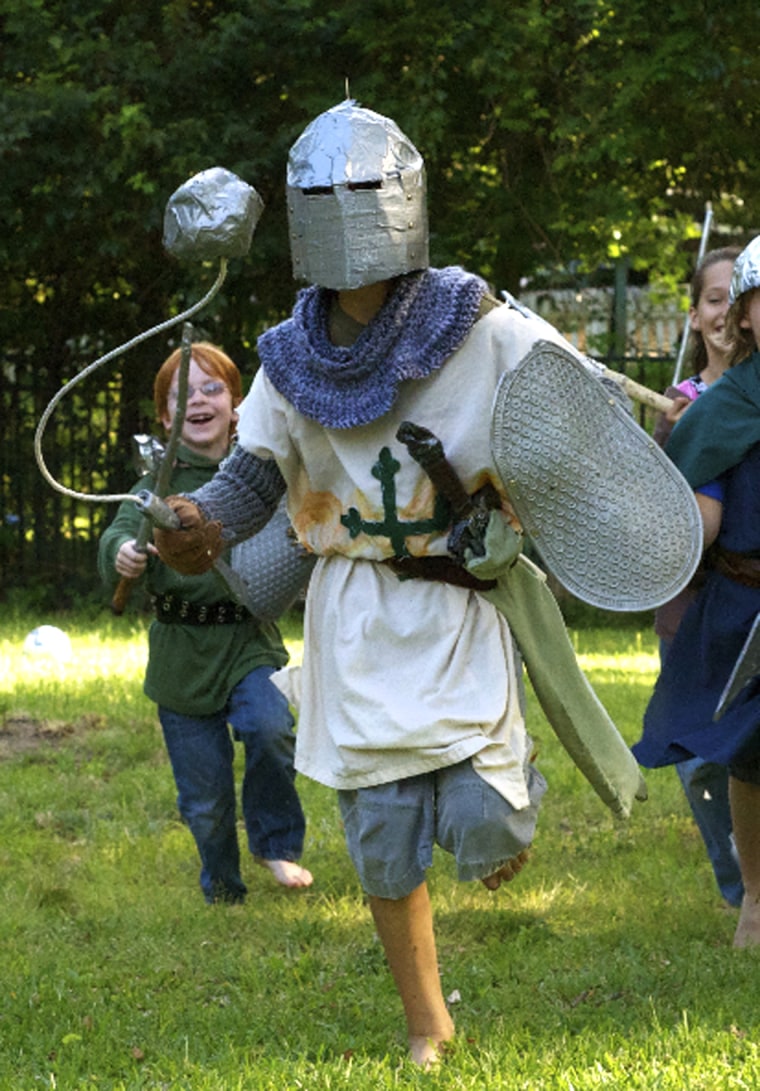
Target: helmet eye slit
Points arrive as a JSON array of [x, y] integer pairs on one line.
[[321, 191]]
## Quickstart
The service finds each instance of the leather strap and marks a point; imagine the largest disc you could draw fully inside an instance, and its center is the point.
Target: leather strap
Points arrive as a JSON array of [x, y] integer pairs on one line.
[[740, 567], [437, 568]]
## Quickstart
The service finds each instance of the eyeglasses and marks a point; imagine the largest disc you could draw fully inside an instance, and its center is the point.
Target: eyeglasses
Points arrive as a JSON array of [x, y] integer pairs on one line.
[[212, 389]]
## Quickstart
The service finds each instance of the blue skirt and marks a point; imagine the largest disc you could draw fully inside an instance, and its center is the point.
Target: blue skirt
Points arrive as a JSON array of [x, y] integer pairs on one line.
[[678, 722]]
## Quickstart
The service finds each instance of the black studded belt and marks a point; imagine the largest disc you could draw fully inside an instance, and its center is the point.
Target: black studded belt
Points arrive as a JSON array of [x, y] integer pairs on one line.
[[176, 611]]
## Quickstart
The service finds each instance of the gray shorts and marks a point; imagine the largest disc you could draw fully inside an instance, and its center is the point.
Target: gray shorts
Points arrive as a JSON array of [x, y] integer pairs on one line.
[[391, 828]]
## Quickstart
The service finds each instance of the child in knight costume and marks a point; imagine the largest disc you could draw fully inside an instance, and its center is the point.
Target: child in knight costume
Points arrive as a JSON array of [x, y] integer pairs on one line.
[[210, 662], [410, 682], [705, 784], [696, 708]]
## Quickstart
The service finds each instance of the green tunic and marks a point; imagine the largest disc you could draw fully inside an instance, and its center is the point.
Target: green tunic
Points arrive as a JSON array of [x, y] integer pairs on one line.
[[191, 668], [721, 426]]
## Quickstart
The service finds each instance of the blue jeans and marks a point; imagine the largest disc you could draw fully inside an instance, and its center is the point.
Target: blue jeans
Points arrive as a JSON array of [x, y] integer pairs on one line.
[[202, 754], [705, 786]]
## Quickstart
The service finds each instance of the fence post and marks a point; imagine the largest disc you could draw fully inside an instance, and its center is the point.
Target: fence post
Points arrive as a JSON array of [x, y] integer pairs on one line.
[[619, 303]]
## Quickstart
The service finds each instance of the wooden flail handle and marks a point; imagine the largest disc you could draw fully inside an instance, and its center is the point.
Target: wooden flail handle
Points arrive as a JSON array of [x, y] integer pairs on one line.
[[638, 392]]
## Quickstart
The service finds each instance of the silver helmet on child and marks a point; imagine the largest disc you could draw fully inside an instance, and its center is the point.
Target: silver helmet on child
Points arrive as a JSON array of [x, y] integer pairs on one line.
[[746, 274], [356, 200]]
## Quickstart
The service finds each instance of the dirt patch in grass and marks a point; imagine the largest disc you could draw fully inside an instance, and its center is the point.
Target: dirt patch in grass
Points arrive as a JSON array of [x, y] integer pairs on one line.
[[21, 733]]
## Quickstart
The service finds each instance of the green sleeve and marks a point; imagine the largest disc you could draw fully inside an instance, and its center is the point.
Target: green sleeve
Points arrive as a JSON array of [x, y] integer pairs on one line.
[[721, 427]]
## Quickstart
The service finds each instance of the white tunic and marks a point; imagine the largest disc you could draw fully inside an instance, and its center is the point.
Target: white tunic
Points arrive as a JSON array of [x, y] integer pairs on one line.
[[399, 677]]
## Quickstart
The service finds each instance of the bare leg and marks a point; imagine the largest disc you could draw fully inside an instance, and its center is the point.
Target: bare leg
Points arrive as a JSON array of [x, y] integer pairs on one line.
[[405, 928], [745, 818], [287, 872], [507, 872]]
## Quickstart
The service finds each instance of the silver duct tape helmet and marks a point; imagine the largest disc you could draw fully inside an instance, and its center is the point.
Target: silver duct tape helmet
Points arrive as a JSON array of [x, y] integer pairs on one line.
[[608, 512], [746, 274], [356, 200], [274, 567]]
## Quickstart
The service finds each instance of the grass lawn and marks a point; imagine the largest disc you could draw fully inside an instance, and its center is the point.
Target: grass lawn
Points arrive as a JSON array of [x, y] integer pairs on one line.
[[606, 964]]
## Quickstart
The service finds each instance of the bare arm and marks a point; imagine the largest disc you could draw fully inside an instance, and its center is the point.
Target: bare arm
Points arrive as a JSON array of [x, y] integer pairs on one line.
[[711, 511], [665, 421]]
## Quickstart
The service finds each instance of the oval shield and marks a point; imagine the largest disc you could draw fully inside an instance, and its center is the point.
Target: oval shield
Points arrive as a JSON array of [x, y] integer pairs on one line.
[[608, 513]]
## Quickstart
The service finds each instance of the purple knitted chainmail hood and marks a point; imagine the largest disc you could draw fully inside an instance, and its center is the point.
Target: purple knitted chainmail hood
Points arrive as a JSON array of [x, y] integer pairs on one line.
[[423, 321]]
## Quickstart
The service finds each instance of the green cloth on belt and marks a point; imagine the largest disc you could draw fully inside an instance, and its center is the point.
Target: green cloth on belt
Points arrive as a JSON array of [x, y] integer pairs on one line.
[[573, 710]]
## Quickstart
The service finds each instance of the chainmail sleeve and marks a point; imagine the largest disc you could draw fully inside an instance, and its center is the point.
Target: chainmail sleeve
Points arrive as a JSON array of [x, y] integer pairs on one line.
[[243, 494]]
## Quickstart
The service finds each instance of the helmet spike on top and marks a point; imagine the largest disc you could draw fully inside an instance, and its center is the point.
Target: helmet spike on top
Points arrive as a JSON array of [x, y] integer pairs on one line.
[[357, 209]]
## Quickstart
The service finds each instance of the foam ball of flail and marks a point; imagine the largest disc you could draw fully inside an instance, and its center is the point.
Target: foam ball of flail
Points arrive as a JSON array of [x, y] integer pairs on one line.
[[212, 215], [47, 642]]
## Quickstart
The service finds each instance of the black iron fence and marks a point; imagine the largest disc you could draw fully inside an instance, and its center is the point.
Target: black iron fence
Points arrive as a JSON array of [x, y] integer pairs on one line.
[[48, 539]]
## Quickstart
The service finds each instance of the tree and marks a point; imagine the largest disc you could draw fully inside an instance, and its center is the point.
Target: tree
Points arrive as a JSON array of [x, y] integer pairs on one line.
[[571, 133], [555, 136]]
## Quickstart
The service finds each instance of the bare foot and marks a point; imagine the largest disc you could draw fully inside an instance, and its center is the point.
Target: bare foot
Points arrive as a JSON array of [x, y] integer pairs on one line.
[[507, 872], [427, 1049], [425, 1052], [287, 872], [748, 929]]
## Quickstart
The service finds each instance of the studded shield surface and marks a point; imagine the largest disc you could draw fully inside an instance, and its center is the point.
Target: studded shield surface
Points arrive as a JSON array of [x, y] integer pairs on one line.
[[274, 567], [609, 514]]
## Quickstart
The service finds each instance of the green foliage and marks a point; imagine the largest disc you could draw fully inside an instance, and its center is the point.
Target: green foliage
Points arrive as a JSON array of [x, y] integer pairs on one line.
[[556, 136], [607, 963], [562, 133]]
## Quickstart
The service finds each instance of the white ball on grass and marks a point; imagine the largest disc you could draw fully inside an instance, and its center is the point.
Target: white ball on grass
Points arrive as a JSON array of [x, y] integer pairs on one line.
[[47, 641]]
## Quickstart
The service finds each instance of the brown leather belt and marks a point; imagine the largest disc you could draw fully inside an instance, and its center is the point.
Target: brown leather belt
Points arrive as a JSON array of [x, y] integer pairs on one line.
[[740, 567], [437, 568]]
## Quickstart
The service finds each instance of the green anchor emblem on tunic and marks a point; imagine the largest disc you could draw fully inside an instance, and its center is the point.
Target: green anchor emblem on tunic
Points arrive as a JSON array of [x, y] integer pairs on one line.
[[385, 470]]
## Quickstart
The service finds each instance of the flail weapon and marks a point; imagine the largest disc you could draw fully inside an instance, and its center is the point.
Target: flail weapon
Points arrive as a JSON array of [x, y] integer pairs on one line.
[[212, 216]]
